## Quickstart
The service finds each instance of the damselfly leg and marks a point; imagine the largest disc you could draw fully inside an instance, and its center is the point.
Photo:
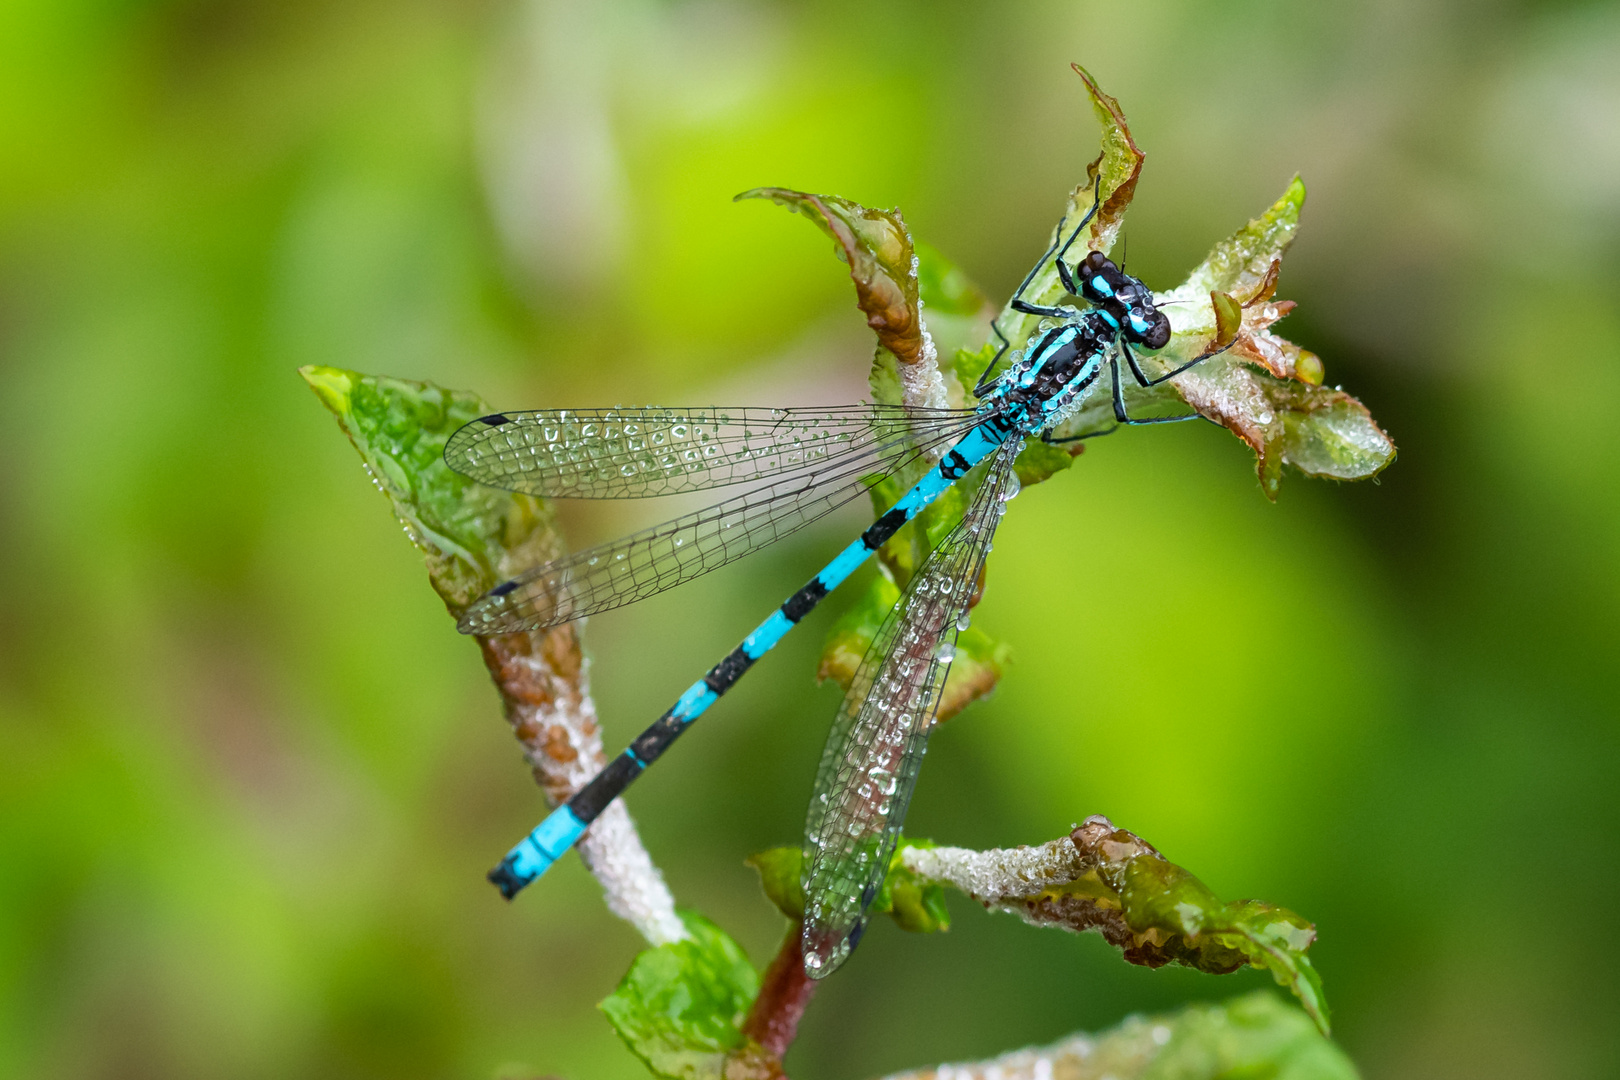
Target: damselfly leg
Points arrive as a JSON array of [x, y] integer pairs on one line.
[[1017, 303]]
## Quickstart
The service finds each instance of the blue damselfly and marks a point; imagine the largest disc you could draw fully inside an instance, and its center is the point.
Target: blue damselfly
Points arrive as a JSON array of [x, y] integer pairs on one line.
[[806, 463]]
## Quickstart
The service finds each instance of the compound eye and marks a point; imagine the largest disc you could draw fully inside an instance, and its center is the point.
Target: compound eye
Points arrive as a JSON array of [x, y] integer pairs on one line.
[[1157, 335]]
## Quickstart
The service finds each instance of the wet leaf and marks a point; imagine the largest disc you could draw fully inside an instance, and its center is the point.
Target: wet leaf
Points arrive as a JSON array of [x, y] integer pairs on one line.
[[1319, 430], [681, 1007], [1329, 433], [956, 312], [1263, 388], [977, 667], [914, 903], [1040, 461], [1242, 264], [468, 533], [1254, 1037], [1228, 318], [1111, 181], [1172, 917], [881, 261], [968, 365], [1109, 880], [780, 872]]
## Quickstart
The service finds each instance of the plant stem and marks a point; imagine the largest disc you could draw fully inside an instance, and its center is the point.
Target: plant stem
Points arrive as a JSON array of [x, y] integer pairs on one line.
[[545, 689], [784, 993]]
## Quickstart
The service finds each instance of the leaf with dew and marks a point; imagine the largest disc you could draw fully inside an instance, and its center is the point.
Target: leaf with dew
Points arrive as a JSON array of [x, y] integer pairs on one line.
[[468, 533], [1109, 880], [680, 1008], [914, 903], [881, 261], [1254, 1037]]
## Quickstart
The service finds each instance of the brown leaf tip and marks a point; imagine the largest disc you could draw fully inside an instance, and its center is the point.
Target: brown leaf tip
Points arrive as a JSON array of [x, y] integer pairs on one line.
[[1102, 843]]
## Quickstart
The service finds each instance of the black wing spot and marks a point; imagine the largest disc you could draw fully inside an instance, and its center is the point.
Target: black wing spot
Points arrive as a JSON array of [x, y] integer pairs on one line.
[[503, 588], [495, 419]]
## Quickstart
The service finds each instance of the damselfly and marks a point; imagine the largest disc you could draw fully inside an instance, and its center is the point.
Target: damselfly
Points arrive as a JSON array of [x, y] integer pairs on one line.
[[807, 462]]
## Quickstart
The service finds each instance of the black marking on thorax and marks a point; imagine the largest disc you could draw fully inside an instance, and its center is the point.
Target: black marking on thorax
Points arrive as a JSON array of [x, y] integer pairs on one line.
[[1063, 353]]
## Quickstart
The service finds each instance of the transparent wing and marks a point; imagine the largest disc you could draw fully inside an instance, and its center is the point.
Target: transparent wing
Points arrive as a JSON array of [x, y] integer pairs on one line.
[[652, 560], [635, 453], [869, 767]]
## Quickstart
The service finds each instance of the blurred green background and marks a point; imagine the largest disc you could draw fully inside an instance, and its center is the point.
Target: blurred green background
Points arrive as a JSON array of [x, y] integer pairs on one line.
[[251, 778]]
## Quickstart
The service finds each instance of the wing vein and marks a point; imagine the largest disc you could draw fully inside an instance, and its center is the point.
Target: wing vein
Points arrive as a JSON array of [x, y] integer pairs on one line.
[[869, 767], [640, 453], [662, 556]]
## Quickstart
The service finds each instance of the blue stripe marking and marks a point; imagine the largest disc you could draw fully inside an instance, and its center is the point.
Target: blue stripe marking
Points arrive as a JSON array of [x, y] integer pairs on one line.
[[630, 752], [1063, 337], [698, 697], [926, 491], [545, 845], [846, 563], [1100, 283], [767, 635]]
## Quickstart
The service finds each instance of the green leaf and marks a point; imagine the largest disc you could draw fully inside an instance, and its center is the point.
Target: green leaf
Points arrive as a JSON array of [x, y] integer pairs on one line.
[[1111, 182], [681, 1007], [1319, 430], [1253, 1037], [1106, 879], [916, 904], [780, 875], [884, 380], [1157, 913], [969, 364], [879, 252], [1039, 460], [1159, 898], [1329, 433], [467, 532], [1240, 264]]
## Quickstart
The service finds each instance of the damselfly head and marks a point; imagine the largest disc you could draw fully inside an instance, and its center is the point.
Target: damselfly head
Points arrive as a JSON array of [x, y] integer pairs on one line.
[[1154, 332], [1125, 298]]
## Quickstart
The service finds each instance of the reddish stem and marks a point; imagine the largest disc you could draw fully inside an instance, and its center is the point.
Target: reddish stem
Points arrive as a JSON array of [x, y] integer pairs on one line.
[[784, 993]]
